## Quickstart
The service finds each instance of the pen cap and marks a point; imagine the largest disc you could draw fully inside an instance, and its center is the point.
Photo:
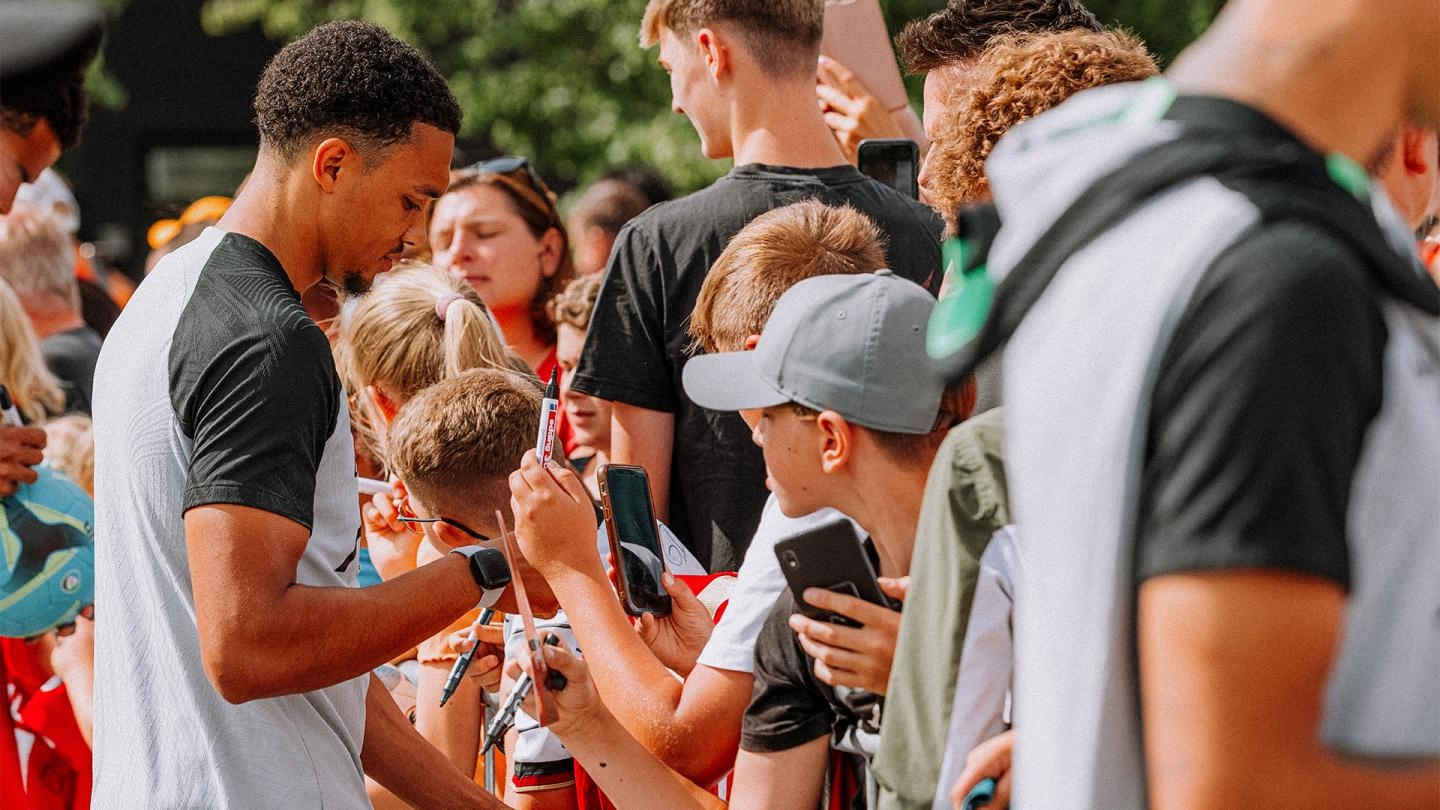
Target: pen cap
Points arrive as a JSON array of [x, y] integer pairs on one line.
[[552, 388]]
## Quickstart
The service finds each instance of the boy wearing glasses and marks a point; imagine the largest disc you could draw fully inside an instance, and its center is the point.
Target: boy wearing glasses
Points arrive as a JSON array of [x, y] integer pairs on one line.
[[455, 445]]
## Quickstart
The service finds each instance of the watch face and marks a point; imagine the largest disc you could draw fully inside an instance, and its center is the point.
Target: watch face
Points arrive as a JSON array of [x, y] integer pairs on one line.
[[489, 568]]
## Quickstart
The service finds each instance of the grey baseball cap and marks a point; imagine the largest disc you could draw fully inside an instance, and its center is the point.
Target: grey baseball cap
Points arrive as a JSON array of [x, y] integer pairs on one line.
[[40, 37], [853, 344]]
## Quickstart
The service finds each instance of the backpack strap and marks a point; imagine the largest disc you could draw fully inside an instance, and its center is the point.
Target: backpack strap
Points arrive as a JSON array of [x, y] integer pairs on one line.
[[1283, 179]]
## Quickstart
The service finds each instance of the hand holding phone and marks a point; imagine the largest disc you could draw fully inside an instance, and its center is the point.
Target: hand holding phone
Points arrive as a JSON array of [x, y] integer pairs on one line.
[[833, 558], [635, 550]]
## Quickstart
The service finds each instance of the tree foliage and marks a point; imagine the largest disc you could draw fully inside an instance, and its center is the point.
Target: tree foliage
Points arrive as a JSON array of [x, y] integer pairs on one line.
[[565, 81]]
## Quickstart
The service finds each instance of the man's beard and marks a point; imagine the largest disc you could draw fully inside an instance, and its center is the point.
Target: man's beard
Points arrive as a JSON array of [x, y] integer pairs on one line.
[[354, 283]]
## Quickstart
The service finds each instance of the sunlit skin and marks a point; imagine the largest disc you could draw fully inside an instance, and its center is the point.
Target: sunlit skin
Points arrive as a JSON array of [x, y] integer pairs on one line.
[[940, 85], [23, 158], [381, 210], [477, 236], [790, 443], [692, 89]]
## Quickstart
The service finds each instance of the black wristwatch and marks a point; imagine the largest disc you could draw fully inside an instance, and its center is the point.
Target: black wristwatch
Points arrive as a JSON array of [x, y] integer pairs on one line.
[[491, 572]]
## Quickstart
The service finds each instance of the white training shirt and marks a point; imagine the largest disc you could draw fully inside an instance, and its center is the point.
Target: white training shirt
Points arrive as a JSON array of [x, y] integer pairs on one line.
[[215, 387]]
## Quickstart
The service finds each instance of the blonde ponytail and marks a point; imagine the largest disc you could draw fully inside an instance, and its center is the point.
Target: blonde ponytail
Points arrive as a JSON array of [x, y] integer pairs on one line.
[[22, 369], [416, 327]]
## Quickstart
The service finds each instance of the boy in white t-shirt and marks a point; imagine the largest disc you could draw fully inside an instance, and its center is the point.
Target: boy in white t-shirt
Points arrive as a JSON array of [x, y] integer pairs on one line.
[[767, 257]]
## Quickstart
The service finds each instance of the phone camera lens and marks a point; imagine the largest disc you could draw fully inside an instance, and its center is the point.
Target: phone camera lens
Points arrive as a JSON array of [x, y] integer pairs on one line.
[[791, 560]]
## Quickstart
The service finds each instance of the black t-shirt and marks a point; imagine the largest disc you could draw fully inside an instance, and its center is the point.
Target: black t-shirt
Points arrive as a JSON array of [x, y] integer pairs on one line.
[[789, 706], [71, 357], [1263, 398], [253, 385], [638, 339]]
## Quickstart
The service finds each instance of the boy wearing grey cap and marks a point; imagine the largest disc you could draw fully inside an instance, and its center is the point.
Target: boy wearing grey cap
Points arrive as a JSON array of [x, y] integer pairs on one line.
[[849, 418]]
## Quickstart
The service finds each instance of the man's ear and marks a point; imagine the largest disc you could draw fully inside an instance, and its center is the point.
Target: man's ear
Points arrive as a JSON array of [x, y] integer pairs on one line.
[[715, 48], [751, 342], [1417, 149], [331, 157], [837, 441]]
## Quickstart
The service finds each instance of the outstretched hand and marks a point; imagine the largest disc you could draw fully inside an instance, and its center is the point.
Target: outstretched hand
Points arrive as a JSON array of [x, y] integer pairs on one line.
[[578, 704], [850, 109], [485, 665], [554, 519], [677, 639]]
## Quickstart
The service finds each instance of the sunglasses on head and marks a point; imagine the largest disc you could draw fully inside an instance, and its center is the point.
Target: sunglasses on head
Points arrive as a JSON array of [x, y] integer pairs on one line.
[[509, 164], [407, 515]]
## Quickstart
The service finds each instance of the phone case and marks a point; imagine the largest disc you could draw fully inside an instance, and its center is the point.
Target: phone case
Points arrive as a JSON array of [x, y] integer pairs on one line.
[[831, 557], [635, 602], [892, 161]]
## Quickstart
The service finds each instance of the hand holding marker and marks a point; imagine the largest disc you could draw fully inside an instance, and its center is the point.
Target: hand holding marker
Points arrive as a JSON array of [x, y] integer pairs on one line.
[[549, 419], [544, 447]]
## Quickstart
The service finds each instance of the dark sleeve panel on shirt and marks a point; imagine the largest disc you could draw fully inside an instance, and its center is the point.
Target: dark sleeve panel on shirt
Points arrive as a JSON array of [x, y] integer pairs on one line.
[[259, 411], [786, 709], [624, 358], [1260, 409]]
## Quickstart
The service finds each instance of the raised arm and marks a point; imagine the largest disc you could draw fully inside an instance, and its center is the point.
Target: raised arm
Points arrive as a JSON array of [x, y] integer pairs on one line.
[[695, 726], [1233, 667], [645, 438]]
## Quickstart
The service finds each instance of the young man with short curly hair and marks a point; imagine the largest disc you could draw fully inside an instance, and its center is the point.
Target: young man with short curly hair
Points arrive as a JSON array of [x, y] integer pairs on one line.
[[233, 651], [1017, 77]]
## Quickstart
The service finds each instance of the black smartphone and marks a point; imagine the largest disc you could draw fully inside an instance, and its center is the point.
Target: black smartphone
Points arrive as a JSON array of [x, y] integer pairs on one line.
[[831, 557], [892, 161], [634, 541]]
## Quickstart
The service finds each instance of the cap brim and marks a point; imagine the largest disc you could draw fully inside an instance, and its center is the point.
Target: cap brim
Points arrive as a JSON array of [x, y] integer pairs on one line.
[[729, 382]]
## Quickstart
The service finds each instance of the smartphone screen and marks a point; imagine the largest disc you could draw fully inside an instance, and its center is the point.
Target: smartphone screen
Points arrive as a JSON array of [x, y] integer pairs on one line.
[[634, 540], [892, 161]]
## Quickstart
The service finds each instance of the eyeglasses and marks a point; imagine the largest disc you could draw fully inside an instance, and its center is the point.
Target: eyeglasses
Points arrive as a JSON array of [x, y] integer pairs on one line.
[[509, 164], [407, 515]]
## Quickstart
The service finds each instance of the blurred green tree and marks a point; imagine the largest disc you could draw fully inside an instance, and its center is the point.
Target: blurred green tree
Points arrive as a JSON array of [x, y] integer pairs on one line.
[[565, 81]]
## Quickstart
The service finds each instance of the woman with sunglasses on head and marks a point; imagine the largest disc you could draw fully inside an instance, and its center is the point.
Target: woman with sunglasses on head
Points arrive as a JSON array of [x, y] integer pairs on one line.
[[497, 228], [416, 327]]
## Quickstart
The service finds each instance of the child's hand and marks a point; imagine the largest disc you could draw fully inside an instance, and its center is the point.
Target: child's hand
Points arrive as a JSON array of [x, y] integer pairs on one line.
[[554, 519], [73, 657], [677, 639], [858, 657], [392, 543], [988, 760], [485, 665], [578, 705]]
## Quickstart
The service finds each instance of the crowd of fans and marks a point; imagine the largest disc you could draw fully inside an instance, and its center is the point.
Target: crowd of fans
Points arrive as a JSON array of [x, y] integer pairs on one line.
[[1133, 412]]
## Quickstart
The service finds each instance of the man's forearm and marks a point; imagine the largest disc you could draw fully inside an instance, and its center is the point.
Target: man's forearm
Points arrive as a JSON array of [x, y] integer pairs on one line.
[[310, 638], [396, 756]]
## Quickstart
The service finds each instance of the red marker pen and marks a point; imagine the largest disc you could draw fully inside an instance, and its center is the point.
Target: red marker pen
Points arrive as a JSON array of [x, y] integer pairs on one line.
[[549, 420]]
